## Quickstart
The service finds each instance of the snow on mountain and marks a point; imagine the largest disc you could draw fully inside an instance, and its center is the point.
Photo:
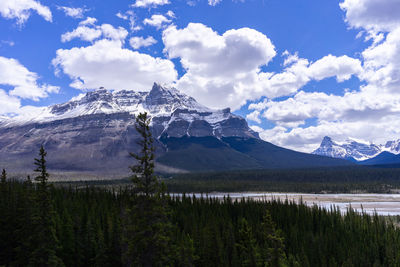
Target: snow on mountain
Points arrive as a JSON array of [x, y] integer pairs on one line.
[[354, 148], [168, 108], [392, 147]]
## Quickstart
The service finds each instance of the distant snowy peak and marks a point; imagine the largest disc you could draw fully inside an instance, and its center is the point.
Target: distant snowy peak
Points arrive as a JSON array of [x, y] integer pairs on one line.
[[353, 148], [392, 146]]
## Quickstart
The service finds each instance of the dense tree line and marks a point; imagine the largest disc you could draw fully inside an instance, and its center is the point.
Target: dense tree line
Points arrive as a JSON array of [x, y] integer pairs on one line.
[[90, 230]]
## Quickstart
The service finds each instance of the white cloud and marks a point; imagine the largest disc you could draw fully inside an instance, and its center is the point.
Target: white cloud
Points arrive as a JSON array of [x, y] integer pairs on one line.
[[371, 112], [8, 104], [88, 31], [106, 63], [221, 70], [157, 21], [150, 3], [138, 42], [113, 33], [73, 12], [289, 58], [21, 10], [170, 14], [228, 66], [329, 66], [88, 21], [23, 81], [382, 63], [372, 15], [82, 32], [364, 114], [254, 116], [214, 2], [299, 72], [131, 17], [8, 43]]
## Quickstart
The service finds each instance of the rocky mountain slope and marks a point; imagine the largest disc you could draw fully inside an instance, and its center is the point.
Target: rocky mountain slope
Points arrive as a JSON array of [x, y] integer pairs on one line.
[[95, 133]]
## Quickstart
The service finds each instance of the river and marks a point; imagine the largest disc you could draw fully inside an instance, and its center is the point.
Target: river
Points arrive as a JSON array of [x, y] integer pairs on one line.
[[382, 204]]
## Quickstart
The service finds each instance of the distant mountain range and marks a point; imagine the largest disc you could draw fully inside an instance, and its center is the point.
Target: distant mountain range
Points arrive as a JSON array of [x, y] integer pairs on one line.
[[95, 133], [361, 152]]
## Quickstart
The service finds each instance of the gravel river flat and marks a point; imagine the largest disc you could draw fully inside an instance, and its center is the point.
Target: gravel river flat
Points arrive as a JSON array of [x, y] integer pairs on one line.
[[383, 204]]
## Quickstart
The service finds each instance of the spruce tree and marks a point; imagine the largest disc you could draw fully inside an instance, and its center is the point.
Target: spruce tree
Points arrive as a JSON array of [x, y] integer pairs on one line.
[[273, 246], [148, 229], [246, 245], [3, 176], [44, 236]]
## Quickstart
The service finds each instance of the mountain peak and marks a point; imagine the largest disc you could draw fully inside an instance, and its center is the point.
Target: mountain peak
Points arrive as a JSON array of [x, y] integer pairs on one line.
[[158, 95], [326, 141], [351, 148]]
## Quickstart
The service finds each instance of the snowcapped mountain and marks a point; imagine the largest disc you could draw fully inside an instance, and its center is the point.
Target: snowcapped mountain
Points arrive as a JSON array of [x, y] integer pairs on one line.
[[355, 149], [168, 108], [96, 131]]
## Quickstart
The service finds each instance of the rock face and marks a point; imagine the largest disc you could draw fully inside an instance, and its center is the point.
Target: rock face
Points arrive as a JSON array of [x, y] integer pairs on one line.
[[353, 149], [96, 131]]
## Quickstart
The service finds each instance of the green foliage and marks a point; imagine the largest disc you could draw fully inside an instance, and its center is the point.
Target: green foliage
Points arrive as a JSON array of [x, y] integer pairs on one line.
[[44, 231], [209, 232], [148, 230], [3, 176], [318, 180]]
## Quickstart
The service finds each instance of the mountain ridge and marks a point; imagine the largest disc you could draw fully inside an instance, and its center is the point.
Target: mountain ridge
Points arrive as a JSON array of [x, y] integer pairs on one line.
[[96, 132], [358, 150]]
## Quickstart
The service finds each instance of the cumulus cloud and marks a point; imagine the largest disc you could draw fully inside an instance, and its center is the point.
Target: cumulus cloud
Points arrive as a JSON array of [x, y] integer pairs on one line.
[[371, 112], [8, 104], [106, 63], [372, 15], [299, 71], [228, 66], [150, 3], [73, 12], [254, 116], [221, 70], [21, 10], [88, 31], [157, 21], [88, 21], [382, 63], [24, 82], [330, 66], [348, 116], [138, 42]]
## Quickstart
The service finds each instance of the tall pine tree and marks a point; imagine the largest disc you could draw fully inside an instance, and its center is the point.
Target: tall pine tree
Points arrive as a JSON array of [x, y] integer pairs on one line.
[[148, 229], [3, 176], [44, 236]]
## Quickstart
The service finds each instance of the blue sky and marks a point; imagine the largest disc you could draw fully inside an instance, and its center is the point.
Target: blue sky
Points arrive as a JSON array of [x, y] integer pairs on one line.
[[297, 70]]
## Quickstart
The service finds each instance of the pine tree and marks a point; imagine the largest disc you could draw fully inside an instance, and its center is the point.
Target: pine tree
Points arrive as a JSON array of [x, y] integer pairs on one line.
[[148, 228], [246, 245], [273, 247], [144, 179], [3, 176], [44, 236]]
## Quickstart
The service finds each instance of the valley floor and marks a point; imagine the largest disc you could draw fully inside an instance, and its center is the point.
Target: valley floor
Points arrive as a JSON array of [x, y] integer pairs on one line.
[[382, 204]]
